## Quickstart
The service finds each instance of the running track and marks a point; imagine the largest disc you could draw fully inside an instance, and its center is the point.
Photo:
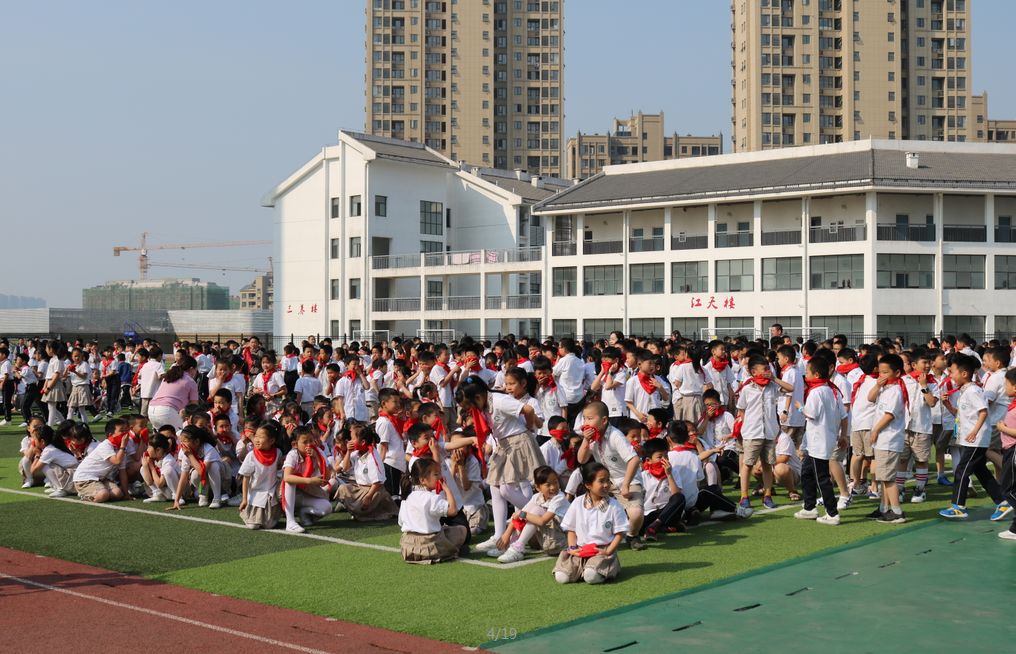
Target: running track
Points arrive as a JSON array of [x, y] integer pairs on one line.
[[48, 605]]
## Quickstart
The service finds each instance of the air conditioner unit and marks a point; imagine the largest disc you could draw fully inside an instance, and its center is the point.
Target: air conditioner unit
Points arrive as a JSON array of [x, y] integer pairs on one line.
[[682, 237], [834, 228]]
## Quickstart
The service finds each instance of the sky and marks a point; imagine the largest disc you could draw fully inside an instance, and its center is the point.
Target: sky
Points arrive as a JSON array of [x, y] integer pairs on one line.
[[174, 118]]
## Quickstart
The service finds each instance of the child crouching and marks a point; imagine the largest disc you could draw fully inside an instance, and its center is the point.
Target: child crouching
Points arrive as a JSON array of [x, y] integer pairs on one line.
[[539, 521], [260, 507], [366, 498], [424, 539], [595, 524]]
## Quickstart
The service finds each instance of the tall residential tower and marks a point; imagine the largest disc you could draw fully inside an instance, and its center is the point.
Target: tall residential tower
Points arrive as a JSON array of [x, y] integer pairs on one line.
[[480, 81]]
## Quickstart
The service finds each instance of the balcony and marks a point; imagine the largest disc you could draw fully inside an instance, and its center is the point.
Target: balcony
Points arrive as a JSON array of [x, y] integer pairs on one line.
[[602, 247], [453, 303], [563, 249], [388, 261], [735, 239], [1005, 234], [785, 237], [396, 304], [689, 242], [965, 233], [836, 234], [465, 258], [905, 233], [650, 244]]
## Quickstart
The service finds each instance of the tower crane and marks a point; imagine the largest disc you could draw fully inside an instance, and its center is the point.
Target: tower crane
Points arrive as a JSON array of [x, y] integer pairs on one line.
[[143, 248]]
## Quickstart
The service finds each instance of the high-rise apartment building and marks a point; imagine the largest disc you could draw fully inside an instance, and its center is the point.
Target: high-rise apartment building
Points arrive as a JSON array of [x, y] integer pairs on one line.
[[480, 81], [823, 71]]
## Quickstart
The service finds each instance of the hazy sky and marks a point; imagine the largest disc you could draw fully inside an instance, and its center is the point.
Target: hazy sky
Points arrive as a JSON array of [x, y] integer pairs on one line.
[[175, 117]]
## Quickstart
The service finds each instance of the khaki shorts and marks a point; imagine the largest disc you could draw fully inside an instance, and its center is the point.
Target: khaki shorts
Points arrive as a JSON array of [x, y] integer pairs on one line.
[[796, 434], [886, 464], [87, 490], [860, 440], [688, 407], [916, 445], [943, 438], [759, 449], [629, 503], [996, 440]]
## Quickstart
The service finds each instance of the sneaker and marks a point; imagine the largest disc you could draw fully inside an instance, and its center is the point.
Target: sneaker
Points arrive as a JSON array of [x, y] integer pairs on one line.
[[27, 484], [719, 514], [489, 544], [4, 423], [295, 528], [843, 502], [58, 493], [918, 497], [768, 502], [859, 491], [745, 503], [97, 418], [495, 553], [1002, 511], [24, 424], [744, 511], [215, 505], [47, 490], [512, 555], [873, 495], [876, 514], [943, 481], [652, 531], [236, 500], [157, 496], [636, 543], [203, 500], [828, 519], [954, 512], [806, 514], [890, 517], [1007, 535]]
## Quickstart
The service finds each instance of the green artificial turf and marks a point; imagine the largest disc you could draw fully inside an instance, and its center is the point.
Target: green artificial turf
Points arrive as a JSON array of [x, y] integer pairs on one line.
[[454, 602]]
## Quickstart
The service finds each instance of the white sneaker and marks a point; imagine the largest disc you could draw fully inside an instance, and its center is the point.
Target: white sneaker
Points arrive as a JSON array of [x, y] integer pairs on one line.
[[47, 490], [495, 553], [719, 514], [27, 484], [58, 493], [24, 424], [215, 505], [295, 528], [3, 423], [489, 544], [829, 519], [511, 556], [97, 418], [743, 511], [1007, 535], [157, 496], [918, 497], [236, 500], [842, 503], [203, 500], [806, 514]]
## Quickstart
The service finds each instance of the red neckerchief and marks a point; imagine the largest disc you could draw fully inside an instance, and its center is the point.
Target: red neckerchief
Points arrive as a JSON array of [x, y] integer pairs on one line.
[[736, 431], [248, 357], [558, 434], [950, 387], [761, 381], [903, 391], [520, 361], [845, 368], [857, 386], [548, 382], [351, 373], [656, 431], [265, 378], [442, 367], [438, 487], [394, 420], [685, 447], [812, 384], [647, 383], [785, 368], [596, 437], [720, 410], [569, 458], [78, 452], [655, 469], [202, 468], [719, 365], [407, 424], [225, 439], [265, 458], [492, 366], [1012, 405], [636, 444], [116, 441], [440, 433], [314, 456], [482, 428], [422, 451], [471, 364]]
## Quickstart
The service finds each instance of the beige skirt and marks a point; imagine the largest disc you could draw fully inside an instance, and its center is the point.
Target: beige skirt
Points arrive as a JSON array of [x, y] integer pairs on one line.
[[58, 393], [433, 548], [688, 407], [549, 538], [573, 566], [81, 395], [262, 518], [381, 507], [478, 519], [515, 460]]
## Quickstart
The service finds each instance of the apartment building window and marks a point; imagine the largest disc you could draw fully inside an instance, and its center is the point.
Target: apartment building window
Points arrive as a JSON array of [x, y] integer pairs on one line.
[[336, 207], [837, 271], [335, 289], [336, 247], [354, 288], [355, 205], [431, 247], [602, 280], [431, 218], [601, 327], [689, 327], [962, 271], [916, 327], [565, 282], [354, 247], [646, 278], [563, 329], [1005, 272], [646, 326], [689, 277], [905, 271], [781, 274], [735, 275], [381, 205]]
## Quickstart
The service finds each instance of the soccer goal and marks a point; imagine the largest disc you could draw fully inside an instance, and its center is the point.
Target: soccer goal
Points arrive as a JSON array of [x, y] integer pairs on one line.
[[721, 333], [436, 335], [371, 336], [817, 334]]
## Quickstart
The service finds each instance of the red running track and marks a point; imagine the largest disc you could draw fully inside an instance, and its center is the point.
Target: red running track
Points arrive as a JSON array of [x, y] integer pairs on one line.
[[48, 605]]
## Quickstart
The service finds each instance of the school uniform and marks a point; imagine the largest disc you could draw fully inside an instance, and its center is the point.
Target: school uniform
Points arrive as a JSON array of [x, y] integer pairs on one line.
[[688, 385], [473, 502], [367, 471], [824, 412], [785, 447], [569, 374], [728, 461], [998, 404], [209, 481], [81, 386], [642, 400], [614, 451], [614, 397], [659, 502], [973, 455], [31, 395], [395, 455], [515, 454], [593, 524], [794, 424], [917, 441], [354, 402], [268, 384], [264, 507], [548, 405], [722, 380], [552, 454], [307, 387], [95, 472], [445, 394], [424, 539], [891, 439], [549, 538], [862, 416], [375, 382], [686, 467], [290, 368], [169, 469], [149, 378], [761, 425], [58, 468]]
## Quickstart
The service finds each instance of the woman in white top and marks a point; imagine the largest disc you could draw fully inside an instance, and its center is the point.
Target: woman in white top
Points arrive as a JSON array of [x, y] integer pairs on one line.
[[53, 390]]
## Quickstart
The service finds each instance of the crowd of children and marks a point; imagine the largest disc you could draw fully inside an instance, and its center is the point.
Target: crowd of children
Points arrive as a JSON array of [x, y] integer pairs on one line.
[[573, 450]]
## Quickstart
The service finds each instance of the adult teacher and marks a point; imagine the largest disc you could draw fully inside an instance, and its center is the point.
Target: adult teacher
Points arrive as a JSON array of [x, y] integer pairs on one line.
[[178, 389]]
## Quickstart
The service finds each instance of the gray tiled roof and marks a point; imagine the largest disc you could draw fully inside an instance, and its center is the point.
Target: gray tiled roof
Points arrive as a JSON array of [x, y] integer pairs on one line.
[[868, 167], [397, 149], [524, 188]]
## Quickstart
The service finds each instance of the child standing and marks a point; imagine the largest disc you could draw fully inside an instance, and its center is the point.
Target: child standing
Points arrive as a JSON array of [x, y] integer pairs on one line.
[[1007, 429], [595, 524], [645, 390], [756, 409], [424, 539], [825, 418], [260, 507], [862, 419], [923, 394], [80, 374], [887, 435], [610, 384]]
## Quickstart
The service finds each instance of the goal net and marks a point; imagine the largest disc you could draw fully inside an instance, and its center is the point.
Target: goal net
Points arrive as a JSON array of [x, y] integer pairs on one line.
[[722, 333], [371, 336], [436, 335]]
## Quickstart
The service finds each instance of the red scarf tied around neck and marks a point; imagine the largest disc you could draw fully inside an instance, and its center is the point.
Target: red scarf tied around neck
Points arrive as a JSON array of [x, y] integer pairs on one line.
[[812, 384], [315, 457], [548, 382], [351, 373], [398, 424], [719, 365], [903, 391], [481, 425], [846, 368], [857, 386], [647, 383], [202, 468], [656, 431], [471, 364], [656, 469], [266, 458], [558, 434]]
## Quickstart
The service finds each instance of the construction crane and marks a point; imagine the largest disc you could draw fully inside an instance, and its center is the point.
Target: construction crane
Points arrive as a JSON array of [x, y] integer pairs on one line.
[[209, 266], [143, 247]]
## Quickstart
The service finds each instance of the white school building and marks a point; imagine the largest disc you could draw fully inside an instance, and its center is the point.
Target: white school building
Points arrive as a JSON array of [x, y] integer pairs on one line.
[[864, 238]]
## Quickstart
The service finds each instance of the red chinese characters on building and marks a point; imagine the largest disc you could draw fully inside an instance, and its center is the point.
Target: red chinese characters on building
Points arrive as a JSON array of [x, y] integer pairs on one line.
[[712, 303]]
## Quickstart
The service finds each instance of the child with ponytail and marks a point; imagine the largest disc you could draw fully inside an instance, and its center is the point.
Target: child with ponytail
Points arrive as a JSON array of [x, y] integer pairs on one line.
[[366, 498], [260, 507], [159, 466], [306, 483], [200, 468], [424, 538], [55, 462]]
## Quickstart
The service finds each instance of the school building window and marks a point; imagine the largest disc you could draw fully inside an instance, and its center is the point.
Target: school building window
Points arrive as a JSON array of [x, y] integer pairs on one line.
[[962, 271], [333, 328], [973, 325], [730, 324], [565, 283], [602, 280], [906, 271], [354, 246], [1005, 326], [1005, 272], [645, 279], [430, 247], [355, 205], [336, 289], [916, 327], [837, 271], [689, 277], [563, 329], [354, 326], [336, 207], [335, 248], [646, 326], [735, 275], [690, 327], [381, 205], [839, 324], [782, 274], [354, 288], [788, 322], [601, 327], [431, 218]]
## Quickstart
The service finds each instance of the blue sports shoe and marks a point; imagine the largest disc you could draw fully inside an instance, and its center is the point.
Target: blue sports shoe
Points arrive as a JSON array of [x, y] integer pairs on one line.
[[944, 481], [954, 512], [745, 503], [1002, 511], [768, 502]]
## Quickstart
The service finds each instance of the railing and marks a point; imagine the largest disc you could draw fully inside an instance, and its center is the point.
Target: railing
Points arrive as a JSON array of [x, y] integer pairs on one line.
[[966, 233], [520, 255], [396, 304], [388, 261], [1005, 234], [735, 239], [787, 237], [463, 302], [463, 258], [650, 244], [563, 249], [602, 247], [905, 232], [434, 304], [837, 234], [689, 242], [524, 301]]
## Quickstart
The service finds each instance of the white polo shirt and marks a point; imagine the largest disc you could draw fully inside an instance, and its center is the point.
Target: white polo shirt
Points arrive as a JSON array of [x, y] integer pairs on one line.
[[264, 479], [759, 406], [614, 451], [422, 511], [890, 400], [686, 468], [969, 402], [595, 524], [614, 397], [569, 373], [823, 412]]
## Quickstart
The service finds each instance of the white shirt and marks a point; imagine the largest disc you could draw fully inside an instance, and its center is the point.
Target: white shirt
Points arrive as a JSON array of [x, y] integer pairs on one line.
[[890, 400], [473, 499], [150, 377], [308, 387], [690, 381], [552, 455], [374, 378], [56, 457], [548, 405], [614, 452], [446, 393], [970, 401], [862, 412], [295, 462], [28, 375], [614, 397], [995, 396], [919, 417], [6, 370], [644, 402], [792, 376], [290, 363], [96, 465], [353, 401], [205, 364], [558, 505], [785, 447], [595, 524], [395, 456], [421, 512], [759, 406], [823, 411], [367, 468], [506, 415], [82, 368], [570, 373], [276, 382], [686, 468], [657, 491], [54, 368], [263, 486], [721, 381]]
